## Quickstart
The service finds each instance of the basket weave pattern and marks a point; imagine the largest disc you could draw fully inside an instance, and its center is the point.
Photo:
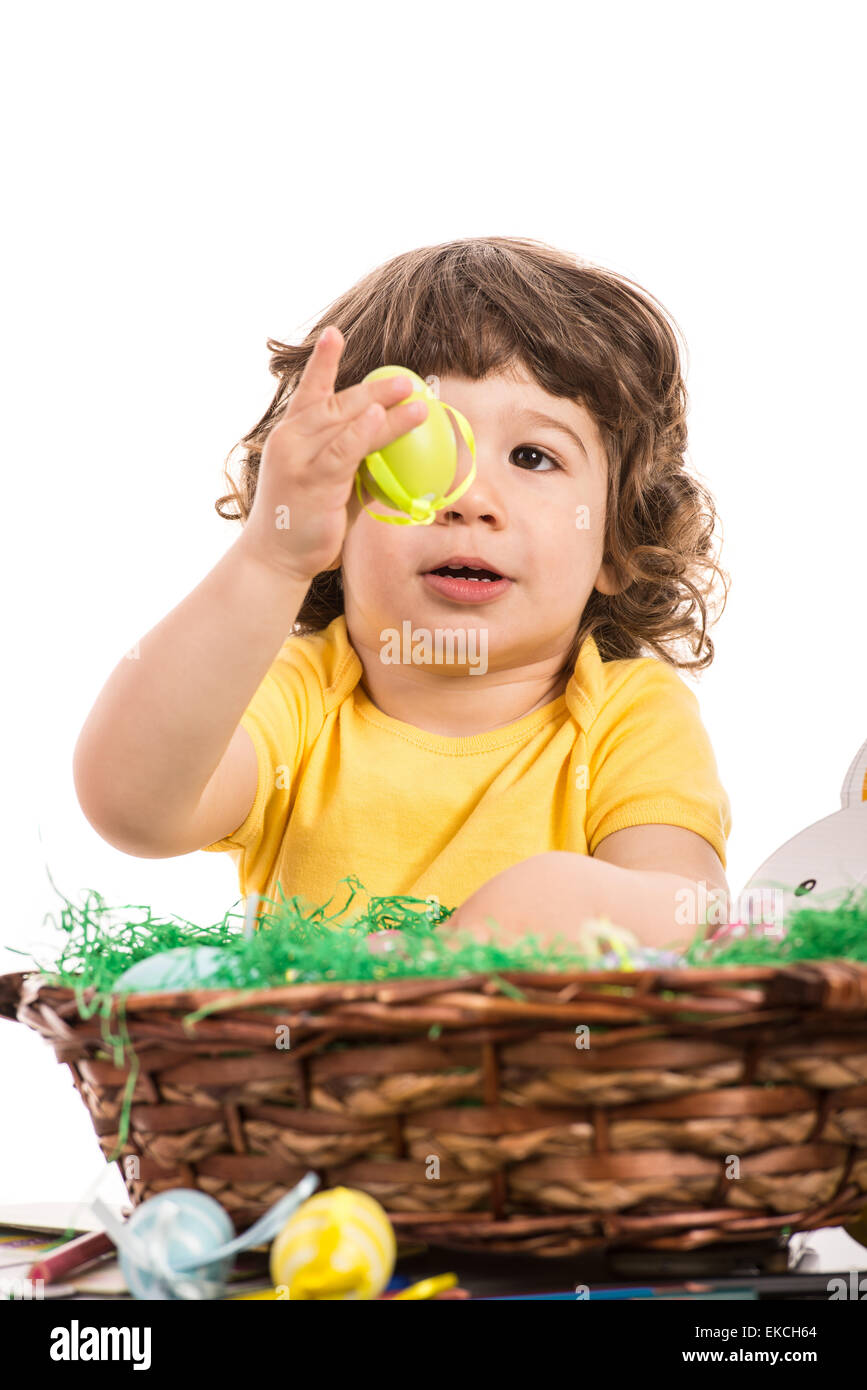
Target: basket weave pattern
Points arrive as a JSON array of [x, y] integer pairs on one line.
[[474, 1118]]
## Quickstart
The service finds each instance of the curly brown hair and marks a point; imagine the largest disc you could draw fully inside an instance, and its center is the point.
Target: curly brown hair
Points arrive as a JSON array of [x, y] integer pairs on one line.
[[481, 304]]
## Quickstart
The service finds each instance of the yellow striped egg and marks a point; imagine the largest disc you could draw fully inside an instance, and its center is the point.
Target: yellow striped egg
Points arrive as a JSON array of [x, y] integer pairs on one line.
[[337, 1245]]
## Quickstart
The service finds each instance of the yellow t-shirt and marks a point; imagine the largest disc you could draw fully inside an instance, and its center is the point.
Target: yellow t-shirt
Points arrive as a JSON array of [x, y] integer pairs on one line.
[[345, 789]]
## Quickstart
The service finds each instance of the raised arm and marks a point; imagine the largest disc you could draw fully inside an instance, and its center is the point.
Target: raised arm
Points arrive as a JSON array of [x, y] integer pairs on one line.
[[162, 766]]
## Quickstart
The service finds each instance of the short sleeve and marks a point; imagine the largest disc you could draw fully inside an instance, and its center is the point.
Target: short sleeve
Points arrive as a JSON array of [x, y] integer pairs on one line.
[[652, 762], [251, 828], [286, 707]]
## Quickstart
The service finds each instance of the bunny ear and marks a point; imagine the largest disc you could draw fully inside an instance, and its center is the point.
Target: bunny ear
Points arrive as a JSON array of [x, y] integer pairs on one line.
[[855, 781]]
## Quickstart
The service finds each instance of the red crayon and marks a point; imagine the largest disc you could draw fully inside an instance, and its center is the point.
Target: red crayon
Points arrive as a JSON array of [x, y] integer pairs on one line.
[[73, 1255]]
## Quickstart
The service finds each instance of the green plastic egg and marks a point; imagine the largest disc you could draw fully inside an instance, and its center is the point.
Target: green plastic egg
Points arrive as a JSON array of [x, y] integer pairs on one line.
[[412, 473], [183, 967]]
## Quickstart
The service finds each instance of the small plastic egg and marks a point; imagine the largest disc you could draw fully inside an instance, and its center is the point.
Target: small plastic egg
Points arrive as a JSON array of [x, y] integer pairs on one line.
[[424, 459], [338, 1245], [422, 462], [184, 967], [172, 1227]]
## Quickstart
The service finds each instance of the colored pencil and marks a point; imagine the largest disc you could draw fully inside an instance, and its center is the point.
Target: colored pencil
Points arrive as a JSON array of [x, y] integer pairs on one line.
[[73, 1255]]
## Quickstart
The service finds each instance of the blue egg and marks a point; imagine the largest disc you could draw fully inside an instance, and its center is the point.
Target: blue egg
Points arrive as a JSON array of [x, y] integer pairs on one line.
[[172, 1228], [185, 967]]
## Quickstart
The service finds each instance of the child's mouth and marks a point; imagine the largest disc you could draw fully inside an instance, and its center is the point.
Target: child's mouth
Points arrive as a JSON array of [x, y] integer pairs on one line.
[[466, 584]]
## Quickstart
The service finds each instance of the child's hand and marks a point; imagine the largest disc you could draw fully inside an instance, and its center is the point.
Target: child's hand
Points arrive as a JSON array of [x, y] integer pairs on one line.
[[306, 473]]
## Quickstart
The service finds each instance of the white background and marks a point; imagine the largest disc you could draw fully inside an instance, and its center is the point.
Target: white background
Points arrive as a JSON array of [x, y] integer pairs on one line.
[[184, 180]]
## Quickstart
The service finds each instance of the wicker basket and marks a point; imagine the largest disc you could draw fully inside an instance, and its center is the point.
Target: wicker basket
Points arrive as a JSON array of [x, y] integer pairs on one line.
[[716, 1105]]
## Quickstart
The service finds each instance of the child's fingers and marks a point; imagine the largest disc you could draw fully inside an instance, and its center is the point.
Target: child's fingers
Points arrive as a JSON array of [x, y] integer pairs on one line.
[[337, 429], [372, 429], [315, 407], [320, 370], [315, 388], [331, 413]]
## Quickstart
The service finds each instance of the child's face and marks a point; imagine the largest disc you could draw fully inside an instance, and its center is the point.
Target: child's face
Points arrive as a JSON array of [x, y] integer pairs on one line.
[[535, 512]]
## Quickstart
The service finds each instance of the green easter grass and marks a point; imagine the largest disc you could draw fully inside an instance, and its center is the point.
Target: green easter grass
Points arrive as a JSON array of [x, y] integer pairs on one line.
[[99, 943]]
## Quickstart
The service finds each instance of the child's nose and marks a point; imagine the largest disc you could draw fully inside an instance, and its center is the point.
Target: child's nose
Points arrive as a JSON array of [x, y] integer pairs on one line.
[[481, 501]]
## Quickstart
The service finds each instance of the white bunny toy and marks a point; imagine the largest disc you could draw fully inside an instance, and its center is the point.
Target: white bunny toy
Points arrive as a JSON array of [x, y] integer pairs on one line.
[[825, 861]]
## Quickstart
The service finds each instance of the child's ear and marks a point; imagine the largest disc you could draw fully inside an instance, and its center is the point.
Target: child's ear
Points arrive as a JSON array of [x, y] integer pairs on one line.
[[606, 580]]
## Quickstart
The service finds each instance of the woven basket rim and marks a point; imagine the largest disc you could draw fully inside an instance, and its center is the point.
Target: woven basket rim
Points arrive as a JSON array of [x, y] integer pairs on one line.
[[837, 985], [687, 973]]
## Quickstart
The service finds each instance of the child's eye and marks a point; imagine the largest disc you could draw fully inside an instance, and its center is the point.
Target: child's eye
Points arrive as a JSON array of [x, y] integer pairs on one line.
[[531, 449]]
